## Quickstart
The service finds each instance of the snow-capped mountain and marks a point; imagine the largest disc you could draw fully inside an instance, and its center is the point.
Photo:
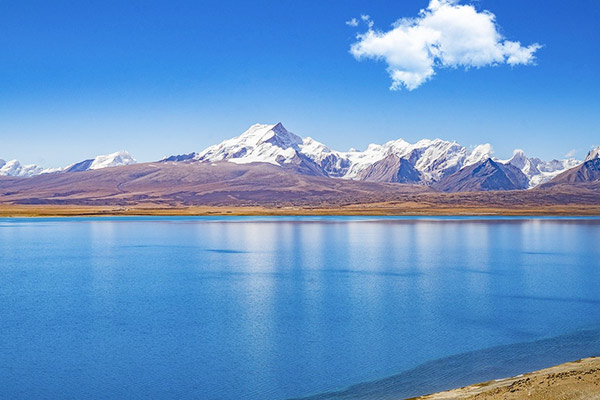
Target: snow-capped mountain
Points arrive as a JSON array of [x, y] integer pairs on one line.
[[261, 143], [275, 145], [587, 172], [484, 176], [103, 161], [593, 154], [426, 161], [14, 168], [433, 159], [539, 171]]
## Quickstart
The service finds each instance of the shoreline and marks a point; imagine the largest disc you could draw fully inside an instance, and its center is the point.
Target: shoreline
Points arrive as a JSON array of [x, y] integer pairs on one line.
[[476, 368], [572, 380], [377, 209]]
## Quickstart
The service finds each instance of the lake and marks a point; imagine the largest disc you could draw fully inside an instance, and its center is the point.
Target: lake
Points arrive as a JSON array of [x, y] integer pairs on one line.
[[290, 307]]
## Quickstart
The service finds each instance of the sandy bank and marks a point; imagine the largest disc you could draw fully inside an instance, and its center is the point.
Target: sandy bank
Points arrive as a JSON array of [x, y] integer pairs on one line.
[[573, 380]]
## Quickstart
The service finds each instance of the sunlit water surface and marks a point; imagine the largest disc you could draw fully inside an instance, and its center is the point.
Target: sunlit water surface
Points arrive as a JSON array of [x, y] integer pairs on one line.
[[275, 308]]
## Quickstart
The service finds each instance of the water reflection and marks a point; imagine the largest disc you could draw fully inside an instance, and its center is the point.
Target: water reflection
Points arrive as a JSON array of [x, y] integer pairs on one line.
[[276, 308]]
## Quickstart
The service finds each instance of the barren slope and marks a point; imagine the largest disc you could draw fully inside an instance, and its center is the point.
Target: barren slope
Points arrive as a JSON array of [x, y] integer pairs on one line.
[[220, 183]]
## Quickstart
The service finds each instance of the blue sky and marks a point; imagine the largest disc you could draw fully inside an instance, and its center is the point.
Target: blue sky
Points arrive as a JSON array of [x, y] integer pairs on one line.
[[79, 79]]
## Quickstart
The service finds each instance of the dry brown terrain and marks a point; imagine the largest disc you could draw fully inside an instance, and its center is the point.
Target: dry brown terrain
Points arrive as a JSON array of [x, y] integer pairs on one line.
[[262, 189], [377, 209], [573, 380]]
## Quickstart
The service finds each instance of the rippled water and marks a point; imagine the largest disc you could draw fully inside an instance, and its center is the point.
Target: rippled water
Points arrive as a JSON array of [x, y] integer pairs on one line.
[[275, 308]]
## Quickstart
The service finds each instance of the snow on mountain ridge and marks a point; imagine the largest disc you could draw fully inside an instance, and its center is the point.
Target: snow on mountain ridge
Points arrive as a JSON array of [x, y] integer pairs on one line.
[[434, 159], [439, 158], [593, 154], [276, 145], [539, 171], [14, 168], [113, 160], [273, 143], [479, 153], [260, 143]]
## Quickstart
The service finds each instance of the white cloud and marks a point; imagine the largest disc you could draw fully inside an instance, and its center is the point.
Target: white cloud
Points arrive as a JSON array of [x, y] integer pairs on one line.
[[367, 20], [352, 22], [571, 153], [446, 34]]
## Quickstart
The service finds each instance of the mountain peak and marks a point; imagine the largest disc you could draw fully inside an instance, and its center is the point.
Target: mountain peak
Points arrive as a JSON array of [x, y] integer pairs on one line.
[[593, 154], [275, 134], [118, 158], [519, 159], [486, 163], [480, 153], [14, 168], [270, 143], [115, 159], [433, 159], [484, 175], [284, 138], [587, 172]]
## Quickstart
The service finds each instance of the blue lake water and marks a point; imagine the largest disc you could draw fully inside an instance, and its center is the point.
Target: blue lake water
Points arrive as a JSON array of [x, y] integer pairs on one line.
[[276, 308]]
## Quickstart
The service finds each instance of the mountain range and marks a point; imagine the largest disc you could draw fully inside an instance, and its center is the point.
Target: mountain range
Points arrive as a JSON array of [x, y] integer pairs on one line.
[[14, 167], [441, 164], [427, 165]]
